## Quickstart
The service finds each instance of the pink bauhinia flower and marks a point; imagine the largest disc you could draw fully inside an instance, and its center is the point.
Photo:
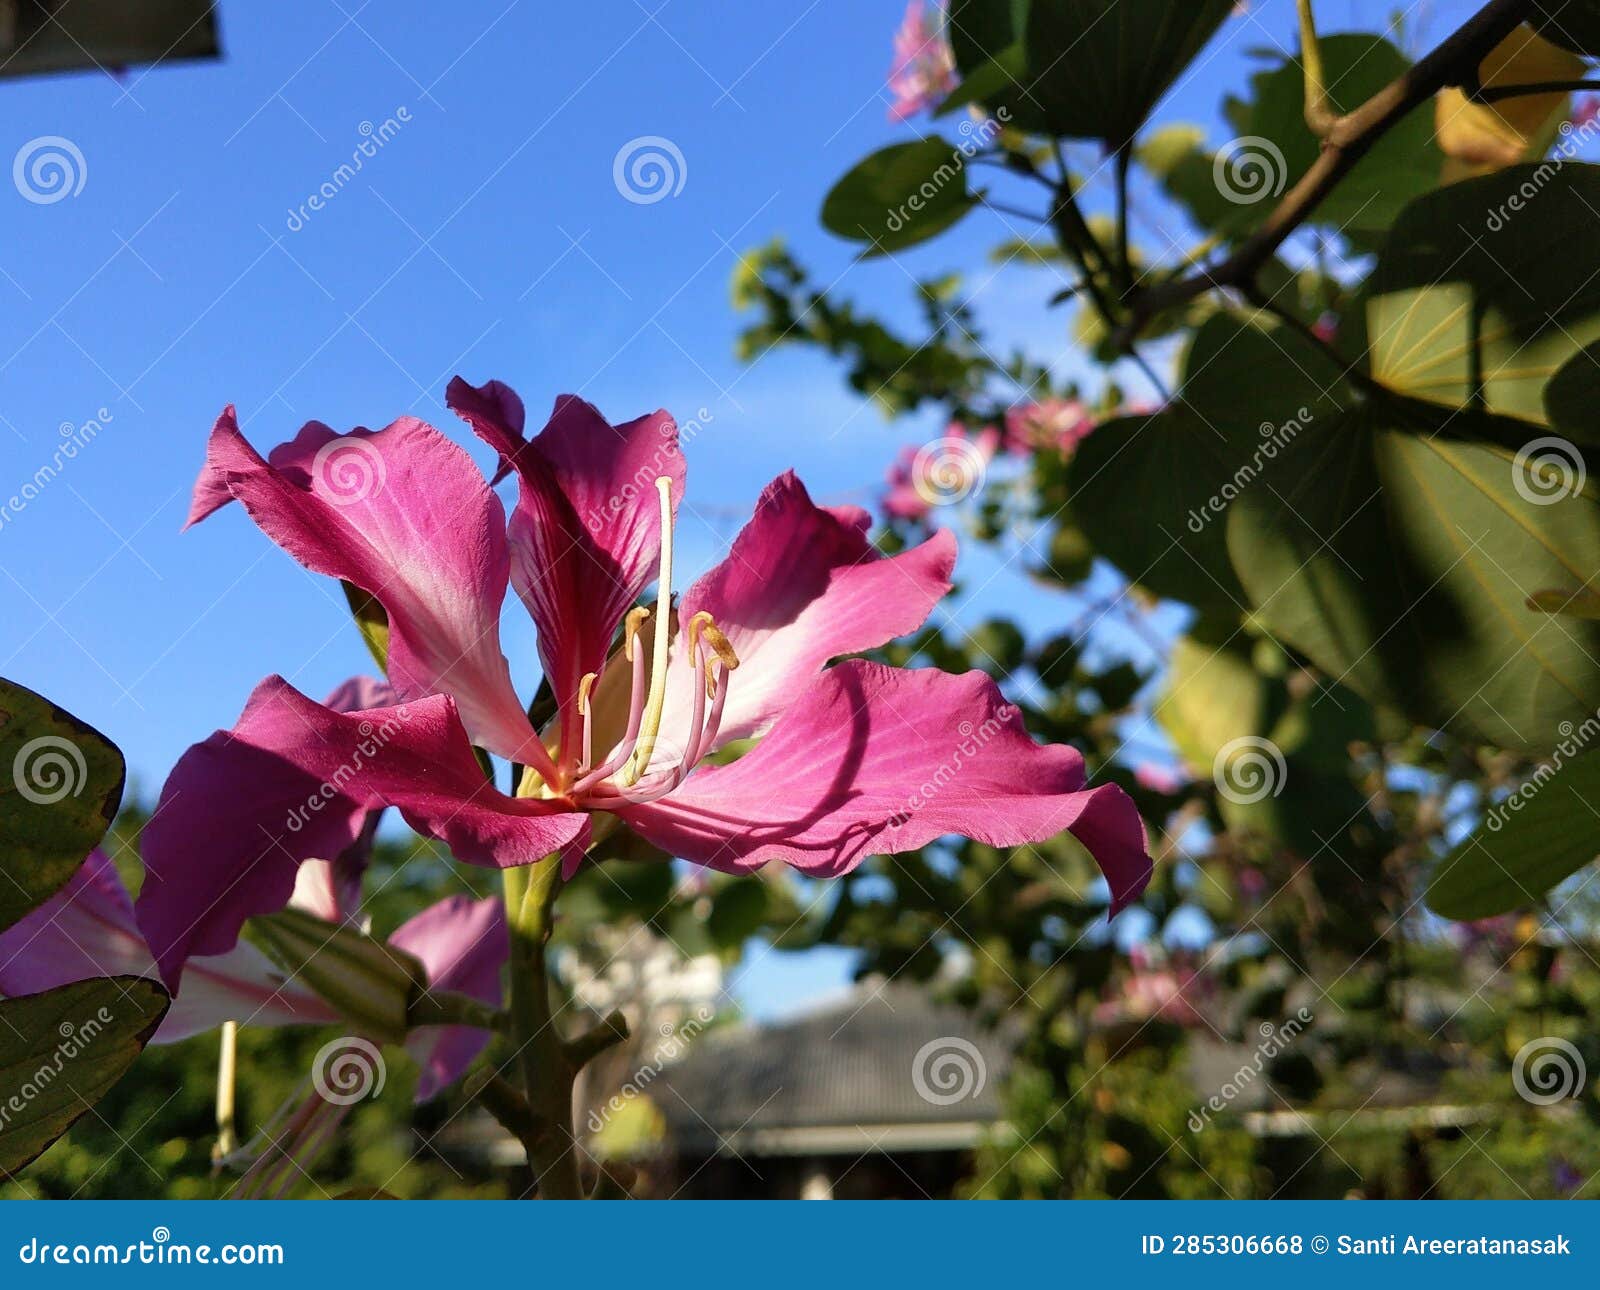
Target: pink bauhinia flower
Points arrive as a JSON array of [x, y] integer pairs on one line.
[[1057, 425], [924, 69], [853, 759]]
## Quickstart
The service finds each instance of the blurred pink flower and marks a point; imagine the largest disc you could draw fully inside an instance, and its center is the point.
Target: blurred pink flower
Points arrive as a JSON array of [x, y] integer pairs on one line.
[[1159, 779], [1058, 424], [1585, 110], [924, 70], [1171, 991], [948, 469]]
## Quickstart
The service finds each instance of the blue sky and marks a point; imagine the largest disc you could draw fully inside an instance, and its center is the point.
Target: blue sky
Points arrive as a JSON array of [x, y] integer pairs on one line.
[[485, 237]]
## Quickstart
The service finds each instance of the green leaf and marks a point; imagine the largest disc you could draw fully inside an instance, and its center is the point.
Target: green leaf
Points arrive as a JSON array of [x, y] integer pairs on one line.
[[1275, 148], [60, 786], [1097, 67], [1487, 288], [1528, 843], [738, 911], [62, 1050], [1397, 549], [900, 195], [1572, 398], [1177, 471], [372, 621]]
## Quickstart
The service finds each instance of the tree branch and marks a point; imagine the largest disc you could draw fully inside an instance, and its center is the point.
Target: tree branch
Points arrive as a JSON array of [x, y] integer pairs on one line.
[[1454, 62]]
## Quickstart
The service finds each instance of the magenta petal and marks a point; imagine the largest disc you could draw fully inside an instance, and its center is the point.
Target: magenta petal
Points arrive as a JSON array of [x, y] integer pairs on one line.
[[463, 944], [294, 781], [873, 760], [405, 515], [803, 585], [586, 532], [87, 930]]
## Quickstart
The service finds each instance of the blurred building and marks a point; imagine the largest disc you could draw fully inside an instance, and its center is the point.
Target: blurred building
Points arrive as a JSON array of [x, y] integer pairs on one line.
[[883, 1093]]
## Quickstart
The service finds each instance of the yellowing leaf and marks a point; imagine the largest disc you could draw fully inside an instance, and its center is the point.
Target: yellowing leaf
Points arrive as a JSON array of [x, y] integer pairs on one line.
[[1478, 138]]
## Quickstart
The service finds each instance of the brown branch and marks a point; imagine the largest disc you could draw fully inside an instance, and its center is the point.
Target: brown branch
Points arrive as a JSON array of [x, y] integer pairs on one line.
[[1350, 137]]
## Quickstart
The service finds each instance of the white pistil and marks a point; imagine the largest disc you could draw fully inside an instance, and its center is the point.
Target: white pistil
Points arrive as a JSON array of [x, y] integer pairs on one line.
[[657, 697]]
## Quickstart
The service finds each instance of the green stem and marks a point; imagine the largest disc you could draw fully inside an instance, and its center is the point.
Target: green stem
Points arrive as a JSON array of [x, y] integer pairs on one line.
[[547, 1072]]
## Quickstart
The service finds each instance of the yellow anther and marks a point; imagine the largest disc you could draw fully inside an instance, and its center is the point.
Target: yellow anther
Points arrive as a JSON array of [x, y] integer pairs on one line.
[[631, 626], [704, 625], [656, 697], [584, 686]]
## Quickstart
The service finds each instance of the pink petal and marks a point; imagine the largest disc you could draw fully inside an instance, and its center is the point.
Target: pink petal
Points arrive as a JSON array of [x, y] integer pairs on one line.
[[463, 944], [87, 930], [405, 515], [293, 781], [803, 585], [871, 760], [586, 532]]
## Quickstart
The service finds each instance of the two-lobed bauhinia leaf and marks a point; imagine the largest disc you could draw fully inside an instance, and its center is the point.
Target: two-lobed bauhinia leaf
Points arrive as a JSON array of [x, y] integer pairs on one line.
[[1152, 492], [62, 1050], [1095, 68], [1397, 548], [900, 195], [1487, 288], [1544, 832], [60, 786]]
